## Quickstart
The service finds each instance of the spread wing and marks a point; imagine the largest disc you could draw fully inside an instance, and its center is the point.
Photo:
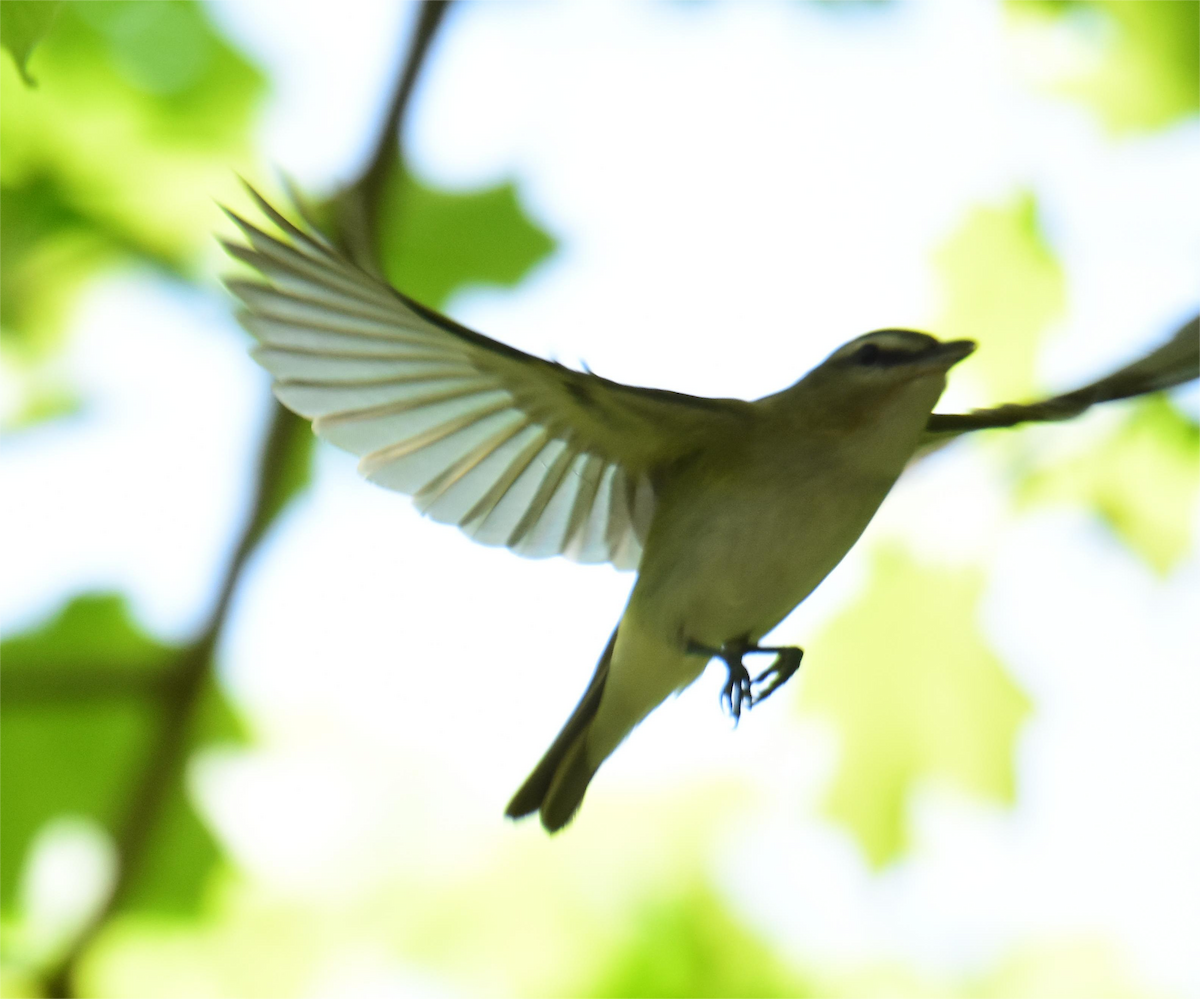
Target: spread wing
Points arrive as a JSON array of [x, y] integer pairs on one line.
[[516, 450], [1175, 362]]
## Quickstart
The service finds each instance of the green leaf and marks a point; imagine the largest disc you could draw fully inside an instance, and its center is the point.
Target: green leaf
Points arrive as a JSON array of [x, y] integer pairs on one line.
[[690, 944], [96, 629], [48, 251], [1142, 70], [435, 242], [1141, 480], [143, 114], [81, 709], [905, 677], [1004, 287], [23, 23]]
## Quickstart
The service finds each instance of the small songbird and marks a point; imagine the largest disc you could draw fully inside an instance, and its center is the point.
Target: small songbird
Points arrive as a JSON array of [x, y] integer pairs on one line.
[[731, 511]]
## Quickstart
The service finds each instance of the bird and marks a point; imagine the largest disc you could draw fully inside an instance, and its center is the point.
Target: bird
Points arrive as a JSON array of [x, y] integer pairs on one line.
[[731, 511]]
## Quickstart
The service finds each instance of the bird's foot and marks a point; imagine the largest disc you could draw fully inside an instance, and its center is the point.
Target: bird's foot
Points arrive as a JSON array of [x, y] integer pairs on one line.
[[787, 661], [739, 691]]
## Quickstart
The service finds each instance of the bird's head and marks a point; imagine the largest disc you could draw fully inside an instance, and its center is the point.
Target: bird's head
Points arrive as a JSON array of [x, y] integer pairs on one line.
[[892, 357], [883, 371]]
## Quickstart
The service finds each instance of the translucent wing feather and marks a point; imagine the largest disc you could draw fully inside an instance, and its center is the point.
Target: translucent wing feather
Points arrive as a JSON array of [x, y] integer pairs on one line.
[[515, 450]]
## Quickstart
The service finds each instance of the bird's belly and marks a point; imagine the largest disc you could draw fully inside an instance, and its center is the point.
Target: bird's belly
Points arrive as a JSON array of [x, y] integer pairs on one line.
[[745, 579], [718, 568]]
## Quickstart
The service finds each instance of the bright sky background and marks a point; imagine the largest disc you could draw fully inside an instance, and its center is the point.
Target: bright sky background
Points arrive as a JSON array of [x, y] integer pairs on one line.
[[737, 189]]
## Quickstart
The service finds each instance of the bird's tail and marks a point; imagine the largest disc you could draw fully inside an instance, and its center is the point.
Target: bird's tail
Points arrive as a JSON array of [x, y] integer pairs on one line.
[[558, 782]]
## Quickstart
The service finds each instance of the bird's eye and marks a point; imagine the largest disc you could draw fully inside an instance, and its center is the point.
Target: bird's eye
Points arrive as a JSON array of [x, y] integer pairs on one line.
[[867, 354]]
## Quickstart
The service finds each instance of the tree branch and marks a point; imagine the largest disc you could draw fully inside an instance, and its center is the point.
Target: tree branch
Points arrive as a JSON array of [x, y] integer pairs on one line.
[[359, 203], [189, 673], [181, 687]]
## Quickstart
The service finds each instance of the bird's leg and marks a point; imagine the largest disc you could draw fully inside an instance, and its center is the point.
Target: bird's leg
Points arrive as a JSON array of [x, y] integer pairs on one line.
[[739, 689]]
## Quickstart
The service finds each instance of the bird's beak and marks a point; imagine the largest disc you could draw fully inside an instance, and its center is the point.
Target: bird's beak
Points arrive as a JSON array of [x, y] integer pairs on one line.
[[955, 350], [945, 355]]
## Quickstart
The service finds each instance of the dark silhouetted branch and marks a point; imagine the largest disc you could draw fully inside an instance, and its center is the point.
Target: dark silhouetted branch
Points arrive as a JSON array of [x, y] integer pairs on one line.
[[181, 686], [358, 205], [185, 679]]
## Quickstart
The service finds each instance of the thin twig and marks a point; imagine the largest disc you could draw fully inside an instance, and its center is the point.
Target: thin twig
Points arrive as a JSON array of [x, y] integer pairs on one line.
[[188, 675], [360, 201], [183, 686]]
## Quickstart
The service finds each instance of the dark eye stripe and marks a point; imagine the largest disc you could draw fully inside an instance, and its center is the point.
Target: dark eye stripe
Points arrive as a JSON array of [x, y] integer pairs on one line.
[[890, 358], [874, 356]]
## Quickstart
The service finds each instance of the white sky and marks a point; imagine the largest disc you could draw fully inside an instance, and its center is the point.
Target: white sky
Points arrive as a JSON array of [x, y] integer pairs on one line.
[[737, 189]]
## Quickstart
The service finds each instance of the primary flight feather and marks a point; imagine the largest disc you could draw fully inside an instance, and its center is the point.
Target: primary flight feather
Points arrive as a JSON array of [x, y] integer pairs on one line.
[[731, 511]]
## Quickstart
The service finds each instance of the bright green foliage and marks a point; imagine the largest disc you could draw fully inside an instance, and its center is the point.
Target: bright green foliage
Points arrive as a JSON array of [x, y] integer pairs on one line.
[[690, 944], [435, 242], [79, 718], [1003, 288], [48, 248], [915, 693], [1142, 480], [23, 23], [1147, 75], [97, 629], [142, 113]]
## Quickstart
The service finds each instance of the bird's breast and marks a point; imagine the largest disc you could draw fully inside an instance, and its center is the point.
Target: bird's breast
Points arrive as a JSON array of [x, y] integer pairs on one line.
[[736, 545]]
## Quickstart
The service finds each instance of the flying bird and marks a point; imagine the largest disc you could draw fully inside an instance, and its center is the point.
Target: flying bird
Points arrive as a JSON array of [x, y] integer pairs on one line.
[[731, 511]]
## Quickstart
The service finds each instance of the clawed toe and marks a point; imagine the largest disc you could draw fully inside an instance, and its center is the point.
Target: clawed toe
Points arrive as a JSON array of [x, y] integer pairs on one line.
[[779, 672], [738, 691]]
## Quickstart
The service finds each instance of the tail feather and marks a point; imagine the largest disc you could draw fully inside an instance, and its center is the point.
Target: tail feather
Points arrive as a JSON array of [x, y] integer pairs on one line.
[[570, 782], [558, 782]]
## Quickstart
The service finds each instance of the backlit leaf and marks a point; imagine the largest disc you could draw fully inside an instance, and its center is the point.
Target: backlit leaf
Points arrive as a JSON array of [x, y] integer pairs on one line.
[[436, 241], [1003, 289], [690, 944], [23, 23], [81, 709], [142, 115], [1137, 65], [1141, 480], [915, 694]]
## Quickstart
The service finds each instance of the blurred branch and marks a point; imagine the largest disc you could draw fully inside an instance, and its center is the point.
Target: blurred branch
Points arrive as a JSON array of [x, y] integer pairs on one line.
[[185, 678], [181, 686], [358, 203]]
